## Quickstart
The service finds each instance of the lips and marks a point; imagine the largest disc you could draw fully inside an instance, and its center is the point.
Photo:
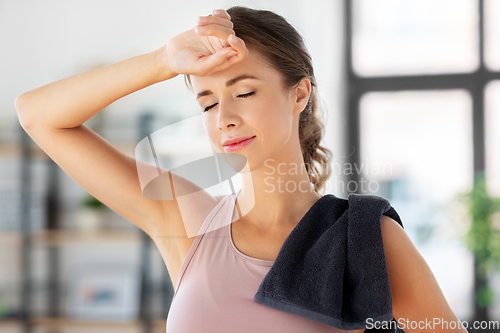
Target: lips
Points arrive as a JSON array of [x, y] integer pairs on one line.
[[238, 145], [236, 140]]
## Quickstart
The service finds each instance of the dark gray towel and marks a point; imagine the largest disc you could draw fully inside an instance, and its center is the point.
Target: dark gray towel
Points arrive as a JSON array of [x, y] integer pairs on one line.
[[331, 268]]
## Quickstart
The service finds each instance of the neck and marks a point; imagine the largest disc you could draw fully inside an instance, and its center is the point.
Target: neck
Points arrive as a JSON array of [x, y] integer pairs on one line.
[[280, 191]]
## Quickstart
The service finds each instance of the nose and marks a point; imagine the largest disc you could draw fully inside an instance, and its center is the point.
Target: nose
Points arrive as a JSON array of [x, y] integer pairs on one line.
[[227, 116]]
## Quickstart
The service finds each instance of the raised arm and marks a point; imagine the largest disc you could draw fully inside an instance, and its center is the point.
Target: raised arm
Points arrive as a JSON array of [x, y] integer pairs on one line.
[[70, 102], [53, 115]]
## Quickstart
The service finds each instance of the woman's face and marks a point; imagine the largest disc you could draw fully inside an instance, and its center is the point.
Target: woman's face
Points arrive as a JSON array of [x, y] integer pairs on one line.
[[248, 100]]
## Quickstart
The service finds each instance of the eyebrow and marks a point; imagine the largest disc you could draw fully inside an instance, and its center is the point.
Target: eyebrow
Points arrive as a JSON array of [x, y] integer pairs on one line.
[[228, 84]]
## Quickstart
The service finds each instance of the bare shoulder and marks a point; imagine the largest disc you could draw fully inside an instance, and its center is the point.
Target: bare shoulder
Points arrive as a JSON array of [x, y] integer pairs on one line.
[[391, 228], [416, 294], [401, 254]]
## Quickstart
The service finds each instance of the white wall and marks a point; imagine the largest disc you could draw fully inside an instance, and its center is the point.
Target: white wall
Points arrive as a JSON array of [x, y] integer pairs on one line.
[[44, 41]]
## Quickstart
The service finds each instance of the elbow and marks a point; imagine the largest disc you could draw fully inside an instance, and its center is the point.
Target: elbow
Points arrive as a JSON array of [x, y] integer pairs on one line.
[[22, 111], [20, 103]]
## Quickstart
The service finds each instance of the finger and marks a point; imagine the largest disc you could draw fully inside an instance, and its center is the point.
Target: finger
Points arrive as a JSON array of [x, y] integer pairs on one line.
[[214, 30], [220, 61], [205, 20], [214, 62], [224, 43], [221, 13], [239, 45], [218, 43]]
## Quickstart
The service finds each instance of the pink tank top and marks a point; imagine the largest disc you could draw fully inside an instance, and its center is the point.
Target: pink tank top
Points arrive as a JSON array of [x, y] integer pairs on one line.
[[217, 283]]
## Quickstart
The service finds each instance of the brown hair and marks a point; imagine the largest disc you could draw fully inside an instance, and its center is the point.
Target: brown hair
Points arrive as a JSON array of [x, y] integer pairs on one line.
[[279, 42]]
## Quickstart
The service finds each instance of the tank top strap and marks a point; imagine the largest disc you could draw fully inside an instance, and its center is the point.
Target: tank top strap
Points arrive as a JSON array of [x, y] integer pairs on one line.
[[224, 212]]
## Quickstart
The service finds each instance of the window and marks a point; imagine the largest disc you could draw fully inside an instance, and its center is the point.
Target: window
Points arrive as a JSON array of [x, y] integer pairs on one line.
[[492, 121], [393, 37], [492, 34], [422, 119]]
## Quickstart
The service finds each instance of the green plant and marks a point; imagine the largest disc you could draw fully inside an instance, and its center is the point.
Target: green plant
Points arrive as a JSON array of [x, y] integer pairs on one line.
[[483, 237], [91, 202]]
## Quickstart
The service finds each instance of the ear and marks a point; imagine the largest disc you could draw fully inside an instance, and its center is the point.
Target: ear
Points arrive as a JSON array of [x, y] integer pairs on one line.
[[301, 95]]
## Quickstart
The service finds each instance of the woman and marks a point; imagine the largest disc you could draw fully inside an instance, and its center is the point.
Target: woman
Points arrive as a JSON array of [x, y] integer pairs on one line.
[[253, 80]]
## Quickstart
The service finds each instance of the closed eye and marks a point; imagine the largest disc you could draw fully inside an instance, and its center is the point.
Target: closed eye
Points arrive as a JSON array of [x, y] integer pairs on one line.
[[247, 95], [242, 96]]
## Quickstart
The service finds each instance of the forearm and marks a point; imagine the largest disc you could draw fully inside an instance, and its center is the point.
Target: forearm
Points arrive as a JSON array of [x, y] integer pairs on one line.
[[70, 102]]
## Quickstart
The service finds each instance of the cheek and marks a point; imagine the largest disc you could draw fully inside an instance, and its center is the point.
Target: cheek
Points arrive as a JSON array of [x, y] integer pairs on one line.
[[210, 128], [275, 121]]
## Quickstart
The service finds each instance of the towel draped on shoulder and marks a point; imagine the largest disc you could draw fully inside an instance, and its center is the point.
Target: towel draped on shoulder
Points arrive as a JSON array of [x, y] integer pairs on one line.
[[332, 268]]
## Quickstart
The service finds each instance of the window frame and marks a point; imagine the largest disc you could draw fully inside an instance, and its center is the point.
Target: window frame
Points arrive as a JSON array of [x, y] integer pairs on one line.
[[356, 86], [474, 82]]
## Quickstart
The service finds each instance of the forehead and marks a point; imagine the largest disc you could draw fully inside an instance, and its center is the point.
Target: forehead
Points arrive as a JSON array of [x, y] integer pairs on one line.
[[254, 64]]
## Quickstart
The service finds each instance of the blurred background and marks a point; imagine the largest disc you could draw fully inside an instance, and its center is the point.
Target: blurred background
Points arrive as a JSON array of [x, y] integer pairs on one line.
[[411, 96]]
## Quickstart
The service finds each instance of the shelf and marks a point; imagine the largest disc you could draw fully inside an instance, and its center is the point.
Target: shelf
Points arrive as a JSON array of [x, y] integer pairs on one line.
[[70, 237], [81, 322], [14, 149], [59, 322], [164, 147], [9, 323]]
